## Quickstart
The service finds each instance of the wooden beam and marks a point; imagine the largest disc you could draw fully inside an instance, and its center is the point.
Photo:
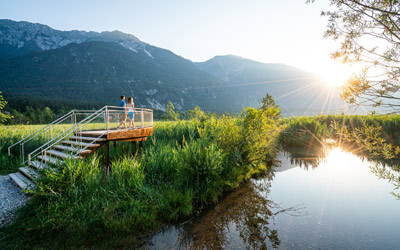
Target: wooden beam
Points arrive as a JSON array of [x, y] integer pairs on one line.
[[133, 144], [135, 139], [107, 155], [133, 133]]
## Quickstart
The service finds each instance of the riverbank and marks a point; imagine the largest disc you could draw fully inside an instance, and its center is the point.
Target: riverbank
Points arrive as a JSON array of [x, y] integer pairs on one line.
[[182, 168]]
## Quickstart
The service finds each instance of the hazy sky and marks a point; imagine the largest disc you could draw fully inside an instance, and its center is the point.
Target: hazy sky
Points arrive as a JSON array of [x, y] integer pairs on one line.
[[284, 31]]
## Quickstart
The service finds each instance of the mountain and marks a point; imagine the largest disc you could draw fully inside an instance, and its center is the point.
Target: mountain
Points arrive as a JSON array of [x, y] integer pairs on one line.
[[296, 91], [97, 68], [236, 69], [99, 72], [19, 38], [44, 64]]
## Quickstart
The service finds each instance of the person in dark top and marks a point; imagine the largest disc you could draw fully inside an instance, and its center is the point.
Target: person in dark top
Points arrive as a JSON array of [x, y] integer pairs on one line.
[[123, 114]]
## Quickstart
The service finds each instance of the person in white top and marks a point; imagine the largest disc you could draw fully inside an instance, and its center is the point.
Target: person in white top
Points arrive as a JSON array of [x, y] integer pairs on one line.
[[131, 112]]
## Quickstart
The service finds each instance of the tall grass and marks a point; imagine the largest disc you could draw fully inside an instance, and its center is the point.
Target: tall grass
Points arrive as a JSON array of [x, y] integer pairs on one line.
[[12, 134], [302, 131], [182, 168]]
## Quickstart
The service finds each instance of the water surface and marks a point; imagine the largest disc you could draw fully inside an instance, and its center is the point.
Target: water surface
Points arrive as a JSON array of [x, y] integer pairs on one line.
[[315, 200]]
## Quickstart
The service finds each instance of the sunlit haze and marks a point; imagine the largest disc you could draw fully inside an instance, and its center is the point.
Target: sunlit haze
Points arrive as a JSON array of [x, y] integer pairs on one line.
[[334, 73], [289, 32]]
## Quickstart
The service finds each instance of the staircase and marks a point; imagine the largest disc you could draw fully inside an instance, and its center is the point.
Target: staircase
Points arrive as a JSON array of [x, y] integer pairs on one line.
[[75, 147], [78, 141]]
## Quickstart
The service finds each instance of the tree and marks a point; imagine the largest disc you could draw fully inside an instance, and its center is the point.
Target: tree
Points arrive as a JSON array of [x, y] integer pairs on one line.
[[369, 35], [269, 106], [196, 113], [3, 116], [170, 111], [260, 129]]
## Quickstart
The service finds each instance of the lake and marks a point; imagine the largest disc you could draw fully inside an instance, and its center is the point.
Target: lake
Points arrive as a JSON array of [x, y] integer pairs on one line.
[[316, 199]]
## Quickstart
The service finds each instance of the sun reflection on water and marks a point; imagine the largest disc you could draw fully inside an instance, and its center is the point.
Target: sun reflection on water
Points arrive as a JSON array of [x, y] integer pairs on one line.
[[320, 198]]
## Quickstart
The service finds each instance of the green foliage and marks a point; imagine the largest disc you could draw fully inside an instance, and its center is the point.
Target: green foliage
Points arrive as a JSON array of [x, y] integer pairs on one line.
[[369, 35], [378, 135], [369, 136], [305, 131], [196, 113], [33, 116], [170, 112], [3, 117], [182, 168]]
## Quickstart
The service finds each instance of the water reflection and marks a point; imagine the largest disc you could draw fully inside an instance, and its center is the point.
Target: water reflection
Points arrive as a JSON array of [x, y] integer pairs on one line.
[[244, 217], [314, 155], [320, 198], [307, 157]]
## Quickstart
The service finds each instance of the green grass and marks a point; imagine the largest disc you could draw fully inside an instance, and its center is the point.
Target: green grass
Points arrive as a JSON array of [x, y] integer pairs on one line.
[[303, 131], [182, 168]]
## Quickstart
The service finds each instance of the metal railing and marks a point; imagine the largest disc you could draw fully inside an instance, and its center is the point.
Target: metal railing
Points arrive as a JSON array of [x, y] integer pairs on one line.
[[104, 120], [42, 150], [71, 117], [141, 117], [40, 131]]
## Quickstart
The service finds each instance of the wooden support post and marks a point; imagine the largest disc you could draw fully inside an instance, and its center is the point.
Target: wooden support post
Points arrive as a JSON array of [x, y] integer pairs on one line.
[[115, 144], [107, 156], [133, 147]]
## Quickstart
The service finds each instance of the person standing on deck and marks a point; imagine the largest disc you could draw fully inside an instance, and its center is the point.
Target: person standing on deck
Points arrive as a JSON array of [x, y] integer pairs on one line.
[[123, 115], [131, 112]]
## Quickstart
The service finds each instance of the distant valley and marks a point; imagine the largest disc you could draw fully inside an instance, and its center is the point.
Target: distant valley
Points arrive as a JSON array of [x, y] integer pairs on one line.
[[78, 67]]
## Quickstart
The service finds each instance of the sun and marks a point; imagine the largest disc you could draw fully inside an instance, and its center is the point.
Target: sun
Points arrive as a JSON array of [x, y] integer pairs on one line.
[[336, 79], [335, 74]]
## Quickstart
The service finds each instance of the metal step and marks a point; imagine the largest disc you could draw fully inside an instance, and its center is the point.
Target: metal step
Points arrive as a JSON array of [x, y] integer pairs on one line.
[[86, 138], [72, 149], [61, 154], [22, 182], [81, 144], [29, 172], [39, 165], [52, 160]]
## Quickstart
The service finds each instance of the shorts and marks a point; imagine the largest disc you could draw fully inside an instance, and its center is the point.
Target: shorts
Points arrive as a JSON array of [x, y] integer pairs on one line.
[[123, 116], [131, 115]]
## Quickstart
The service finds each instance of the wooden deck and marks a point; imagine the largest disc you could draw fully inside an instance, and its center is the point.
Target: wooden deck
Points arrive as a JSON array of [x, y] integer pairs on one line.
[[136, 134]]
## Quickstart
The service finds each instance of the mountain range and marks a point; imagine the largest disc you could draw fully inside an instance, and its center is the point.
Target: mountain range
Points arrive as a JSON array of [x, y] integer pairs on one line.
[[41, 63]]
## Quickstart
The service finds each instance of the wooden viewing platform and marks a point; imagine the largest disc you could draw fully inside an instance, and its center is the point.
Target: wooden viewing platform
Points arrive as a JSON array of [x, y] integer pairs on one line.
[[105, 136], [78, 142]]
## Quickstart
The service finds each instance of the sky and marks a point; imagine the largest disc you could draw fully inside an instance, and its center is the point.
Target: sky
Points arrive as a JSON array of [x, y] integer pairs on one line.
[[269, 31]]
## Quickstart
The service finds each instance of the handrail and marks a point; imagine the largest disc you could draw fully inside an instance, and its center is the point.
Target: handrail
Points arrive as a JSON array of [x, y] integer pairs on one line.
[[81, 124], [31, 136], [65, 132], [117, 107]]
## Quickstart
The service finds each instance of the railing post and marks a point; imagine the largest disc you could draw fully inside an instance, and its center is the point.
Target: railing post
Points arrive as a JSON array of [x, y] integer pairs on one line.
[[107, 118], [22, 152], [142, 114], [29, 159]]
